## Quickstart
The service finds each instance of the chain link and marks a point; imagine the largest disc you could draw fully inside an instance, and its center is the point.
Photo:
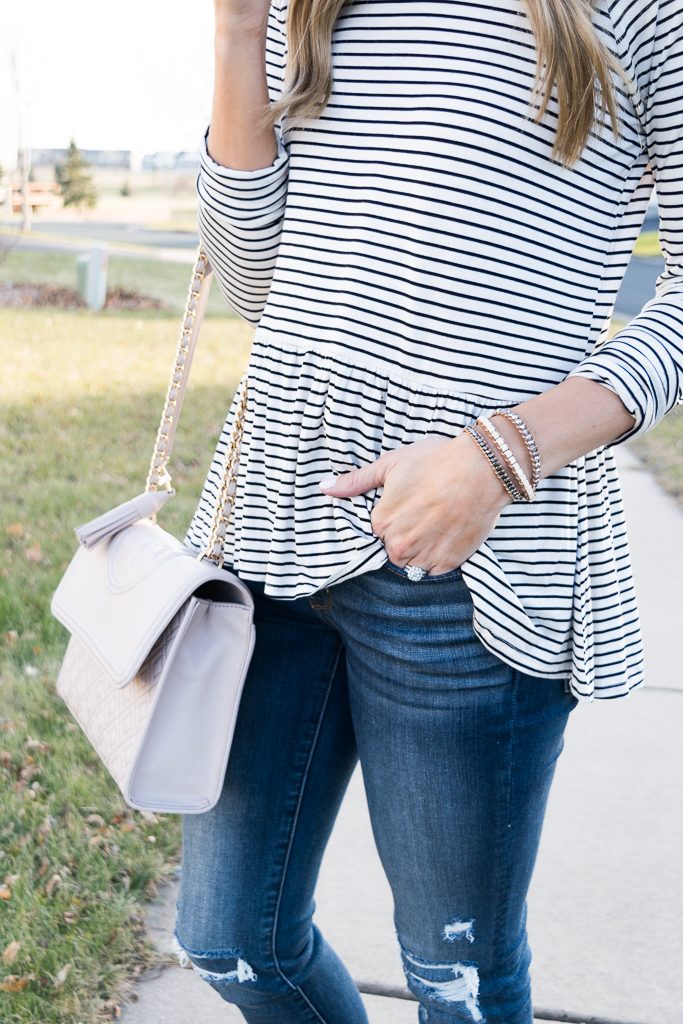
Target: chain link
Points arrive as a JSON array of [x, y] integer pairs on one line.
[[158, 472], [225, 499]]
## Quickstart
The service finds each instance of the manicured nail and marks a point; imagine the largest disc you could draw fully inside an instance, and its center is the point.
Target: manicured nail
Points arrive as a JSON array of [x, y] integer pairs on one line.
[[328, 481]]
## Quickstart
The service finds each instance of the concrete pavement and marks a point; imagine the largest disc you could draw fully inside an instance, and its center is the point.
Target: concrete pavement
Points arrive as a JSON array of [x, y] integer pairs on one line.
[[606, 902]]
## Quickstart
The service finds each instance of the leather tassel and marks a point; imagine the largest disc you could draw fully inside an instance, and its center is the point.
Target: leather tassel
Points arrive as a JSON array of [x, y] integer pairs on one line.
[[141, 507]]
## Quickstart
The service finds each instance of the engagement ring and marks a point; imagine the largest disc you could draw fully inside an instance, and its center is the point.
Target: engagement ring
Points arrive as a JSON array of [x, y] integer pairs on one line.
[[414, 572]]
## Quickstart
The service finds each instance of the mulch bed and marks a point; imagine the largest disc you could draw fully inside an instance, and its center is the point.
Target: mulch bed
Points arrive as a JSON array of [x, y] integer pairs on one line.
[[25, 296]]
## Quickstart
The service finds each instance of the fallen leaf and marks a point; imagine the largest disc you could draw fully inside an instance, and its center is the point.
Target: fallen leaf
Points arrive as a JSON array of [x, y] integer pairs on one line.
[[10, 953], [5, 892], [29, 772], [15, 983], [96, 819], [46, 826], [52, 884], [15, 530], [60, 977], [10, 636], [38, 745], [34, 553], [70, 916], [112, 1009]]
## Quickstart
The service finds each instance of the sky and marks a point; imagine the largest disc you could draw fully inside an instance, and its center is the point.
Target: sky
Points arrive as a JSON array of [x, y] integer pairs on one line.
[[135, 74]]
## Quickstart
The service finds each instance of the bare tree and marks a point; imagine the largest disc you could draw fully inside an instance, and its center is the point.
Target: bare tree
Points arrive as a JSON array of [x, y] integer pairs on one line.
[[23, 151]]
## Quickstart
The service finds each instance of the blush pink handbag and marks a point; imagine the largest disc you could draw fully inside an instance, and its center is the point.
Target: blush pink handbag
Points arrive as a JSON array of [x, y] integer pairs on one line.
[[161, 637]]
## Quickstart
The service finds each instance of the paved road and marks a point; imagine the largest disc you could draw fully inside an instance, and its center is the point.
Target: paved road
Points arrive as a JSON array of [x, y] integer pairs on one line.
[[107, 231]]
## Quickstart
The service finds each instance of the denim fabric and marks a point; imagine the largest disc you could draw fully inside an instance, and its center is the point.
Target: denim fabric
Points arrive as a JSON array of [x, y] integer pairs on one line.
[[457, 750]]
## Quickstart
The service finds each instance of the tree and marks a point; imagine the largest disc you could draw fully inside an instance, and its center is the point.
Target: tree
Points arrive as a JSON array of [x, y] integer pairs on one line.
[[75, 181]]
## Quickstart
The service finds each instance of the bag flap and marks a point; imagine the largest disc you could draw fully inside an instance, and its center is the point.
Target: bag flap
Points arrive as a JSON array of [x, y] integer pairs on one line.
[[118, 596]]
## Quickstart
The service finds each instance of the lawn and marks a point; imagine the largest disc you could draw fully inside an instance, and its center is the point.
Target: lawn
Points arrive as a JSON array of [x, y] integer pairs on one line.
[[81, 396], [160, 279], [648, 244]]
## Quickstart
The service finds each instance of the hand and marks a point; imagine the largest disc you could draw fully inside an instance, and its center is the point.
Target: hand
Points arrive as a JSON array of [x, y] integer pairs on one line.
[[441, 499]]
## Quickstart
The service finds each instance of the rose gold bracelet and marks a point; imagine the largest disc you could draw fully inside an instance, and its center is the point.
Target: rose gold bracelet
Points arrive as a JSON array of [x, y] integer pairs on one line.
[[509, 456], [508, 483], [528, 439]]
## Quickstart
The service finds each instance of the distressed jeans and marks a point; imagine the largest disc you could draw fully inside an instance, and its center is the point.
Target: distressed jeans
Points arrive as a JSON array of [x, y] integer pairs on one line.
[[457, 751]]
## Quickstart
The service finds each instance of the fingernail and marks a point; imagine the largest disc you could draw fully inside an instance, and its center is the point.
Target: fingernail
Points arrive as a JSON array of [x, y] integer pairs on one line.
[[328, 481]]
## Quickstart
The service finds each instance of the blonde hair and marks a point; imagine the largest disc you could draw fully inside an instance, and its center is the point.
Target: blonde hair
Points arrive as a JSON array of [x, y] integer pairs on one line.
[[569, 54]]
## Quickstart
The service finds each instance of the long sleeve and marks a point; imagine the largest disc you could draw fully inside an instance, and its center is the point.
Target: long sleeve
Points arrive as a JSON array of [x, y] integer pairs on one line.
[[240, 212], [643, 363]]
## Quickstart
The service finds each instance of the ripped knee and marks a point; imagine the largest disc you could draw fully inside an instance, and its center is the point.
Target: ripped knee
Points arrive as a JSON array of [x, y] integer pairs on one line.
[[217, 967], [448, 985]]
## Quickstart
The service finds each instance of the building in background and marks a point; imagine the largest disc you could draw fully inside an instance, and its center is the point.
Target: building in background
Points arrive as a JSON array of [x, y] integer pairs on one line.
[[118, 158]]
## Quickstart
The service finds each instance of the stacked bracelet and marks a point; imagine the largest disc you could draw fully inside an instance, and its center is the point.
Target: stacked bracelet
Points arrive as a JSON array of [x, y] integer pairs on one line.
[[509, 456], [528, 439], [509, 471], [504, 477]]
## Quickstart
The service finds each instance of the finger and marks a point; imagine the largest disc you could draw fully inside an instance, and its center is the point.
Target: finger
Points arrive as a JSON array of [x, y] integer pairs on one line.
[[357, 481]]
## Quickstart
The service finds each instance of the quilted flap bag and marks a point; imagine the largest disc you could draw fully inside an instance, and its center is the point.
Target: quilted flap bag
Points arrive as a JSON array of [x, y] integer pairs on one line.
[[160, 637]]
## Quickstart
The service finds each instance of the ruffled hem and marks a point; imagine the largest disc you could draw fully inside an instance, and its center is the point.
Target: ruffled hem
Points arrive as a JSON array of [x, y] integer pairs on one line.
[[552, 585]]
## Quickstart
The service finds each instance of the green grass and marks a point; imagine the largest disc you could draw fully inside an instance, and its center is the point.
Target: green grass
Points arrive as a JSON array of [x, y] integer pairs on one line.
[[648, 244], [661, 448], [181, 221], [81, 399], [168, 282]]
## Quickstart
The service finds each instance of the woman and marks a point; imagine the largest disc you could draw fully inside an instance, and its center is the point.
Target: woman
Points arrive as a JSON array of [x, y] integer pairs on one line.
[[432, 597]]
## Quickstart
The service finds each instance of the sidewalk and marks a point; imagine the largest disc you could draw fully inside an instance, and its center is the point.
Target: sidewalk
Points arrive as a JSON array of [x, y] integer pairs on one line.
[[606, 903]]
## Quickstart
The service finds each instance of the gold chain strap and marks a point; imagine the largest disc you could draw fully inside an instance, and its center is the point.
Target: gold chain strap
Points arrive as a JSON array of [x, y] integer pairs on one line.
[[198, 291], [197, 297], [225, 499]]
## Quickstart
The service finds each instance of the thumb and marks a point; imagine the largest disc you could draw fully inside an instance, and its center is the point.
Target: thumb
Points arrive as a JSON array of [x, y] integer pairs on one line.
[[356, 481]]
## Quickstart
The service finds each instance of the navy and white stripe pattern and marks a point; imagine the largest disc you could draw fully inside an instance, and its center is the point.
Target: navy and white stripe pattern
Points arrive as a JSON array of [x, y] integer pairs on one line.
[[413, 258]]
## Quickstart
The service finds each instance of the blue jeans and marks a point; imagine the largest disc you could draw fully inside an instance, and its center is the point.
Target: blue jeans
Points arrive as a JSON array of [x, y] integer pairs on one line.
[[457, 750]]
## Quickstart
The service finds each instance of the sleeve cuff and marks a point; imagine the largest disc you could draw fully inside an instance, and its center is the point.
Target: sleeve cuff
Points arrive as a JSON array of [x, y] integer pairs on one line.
[[233, 174], [624, 393], [243, 192]]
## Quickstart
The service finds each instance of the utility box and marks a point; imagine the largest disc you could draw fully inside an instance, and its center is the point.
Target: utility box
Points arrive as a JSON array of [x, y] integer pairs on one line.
[[91, 269]]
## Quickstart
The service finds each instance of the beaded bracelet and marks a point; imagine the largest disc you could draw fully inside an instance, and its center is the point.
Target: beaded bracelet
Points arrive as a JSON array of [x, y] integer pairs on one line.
[[528, 439], [501, 473], [509, 456]]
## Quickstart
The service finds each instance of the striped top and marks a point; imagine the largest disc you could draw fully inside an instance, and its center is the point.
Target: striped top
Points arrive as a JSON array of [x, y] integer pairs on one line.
[[412, 259]]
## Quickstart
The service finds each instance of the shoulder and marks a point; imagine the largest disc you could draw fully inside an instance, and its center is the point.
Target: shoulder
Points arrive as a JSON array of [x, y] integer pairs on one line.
[[646, 30], [648, 37]]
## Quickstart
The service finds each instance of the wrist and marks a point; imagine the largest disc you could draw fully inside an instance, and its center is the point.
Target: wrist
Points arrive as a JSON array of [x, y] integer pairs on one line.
[[515, 443], [486, 483], [236, 36]]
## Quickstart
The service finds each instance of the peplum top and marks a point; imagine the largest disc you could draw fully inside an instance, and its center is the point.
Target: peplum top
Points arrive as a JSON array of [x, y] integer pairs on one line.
[[413, 258]]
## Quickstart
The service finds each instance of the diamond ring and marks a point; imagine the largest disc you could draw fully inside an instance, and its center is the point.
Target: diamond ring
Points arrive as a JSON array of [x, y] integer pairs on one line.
[[415, 572]]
